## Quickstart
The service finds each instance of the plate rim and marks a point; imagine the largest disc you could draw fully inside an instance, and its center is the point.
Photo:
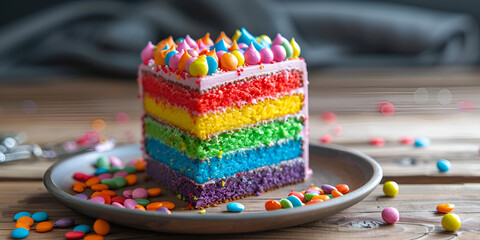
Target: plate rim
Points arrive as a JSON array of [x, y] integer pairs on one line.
[[361, 192]]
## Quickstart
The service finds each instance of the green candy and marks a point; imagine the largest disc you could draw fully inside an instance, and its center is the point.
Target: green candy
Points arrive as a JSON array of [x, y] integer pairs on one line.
[[309, 196], [143, 202], [288, 49], [285, 203], [120, 181], [110, 183], [114, 169], [330, 196], [103, 162], [130, 169]]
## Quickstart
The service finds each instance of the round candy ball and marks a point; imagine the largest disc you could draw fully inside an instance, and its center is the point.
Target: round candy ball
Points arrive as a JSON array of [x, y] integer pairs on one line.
[[235, 207], [229, 61], [390, 215], [199, 67], [444, 165], [279, 53], [451, 222], [390, 188], [240, 57]]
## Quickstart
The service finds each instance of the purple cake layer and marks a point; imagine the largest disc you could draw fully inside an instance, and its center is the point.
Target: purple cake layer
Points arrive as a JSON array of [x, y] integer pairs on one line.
[[219, 190]]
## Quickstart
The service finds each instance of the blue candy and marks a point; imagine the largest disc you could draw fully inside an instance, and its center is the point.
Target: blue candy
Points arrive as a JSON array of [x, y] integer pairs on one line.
[[19, 233], [220, 46], [444, 165], [180, 39], [248, 39], [295, 201], [40, 216], [83, 228], [422, 142], [212, 65], [100, 171], [21, 214], [235, 207], [169, 55]]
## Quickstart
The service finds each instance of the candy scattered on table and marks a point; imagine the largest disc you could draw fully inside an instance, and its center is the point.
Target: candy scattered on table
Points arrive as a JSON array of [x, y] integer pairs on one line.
[[377, 141], [235, 207], [422, 142], [407, 140], [40, 216], [64, 223], [445, 208], [390, 188], [390, 215], [386, 108], [451, 222], [20, 233], [74, 235], [44, 227], [101, 227], [326, 138], [21, 214], [329, 117], [444, 165], [82, 228]]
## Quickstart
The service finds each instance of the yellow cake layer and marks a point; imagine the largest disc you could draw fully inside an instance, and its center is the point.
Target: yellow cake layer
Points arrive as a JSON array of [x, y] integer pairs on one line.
[[232, 118]]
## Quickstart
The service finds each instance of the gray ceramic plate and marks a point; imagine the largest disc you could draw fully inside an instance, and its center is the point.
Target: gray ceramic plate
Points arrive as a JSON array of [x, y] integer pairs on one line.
[[330, 164]]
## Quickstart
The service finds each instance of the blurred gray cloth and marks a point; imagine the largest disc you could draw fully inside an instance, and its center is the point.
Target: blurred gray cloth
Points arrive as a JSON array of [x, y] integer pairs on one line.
[[104, 38]]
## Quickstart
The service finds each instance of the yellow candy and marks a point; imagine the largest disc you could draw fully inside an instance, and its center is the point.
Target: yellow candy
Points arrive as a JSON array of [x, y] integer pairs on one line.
[[296, 48], [229, 61], [240, 57], [236, 35], [183, 60], [266, 39], [199, 67], [390, 188], [451, 222]]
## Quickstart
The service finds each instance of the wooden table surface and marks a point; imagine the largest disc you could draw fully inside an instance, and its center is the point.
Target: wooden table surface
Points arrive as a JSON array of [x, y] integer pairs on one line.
[[427, 104]]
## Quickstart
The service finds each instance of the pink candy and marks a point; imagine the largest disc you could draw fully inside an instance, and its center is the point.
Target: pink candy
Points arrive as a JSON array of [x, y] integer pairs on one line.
[[173, 62], [266, 55], [252, 56], [192, 52], [147, 52], [219, 54], [279, 53], [191, 42], [120, 174], [188, 62], [116, 162], [97, 199], [278, 40], [182, 46], [127, 193], [116, 204], [130, 204], [390, 215], [105, 176], [242, 45], [140, 193]]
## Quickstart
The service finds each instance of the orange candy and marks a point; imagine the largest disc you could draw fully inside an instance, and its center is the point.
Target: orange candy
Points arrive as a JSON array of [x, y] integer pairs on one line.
[[79, 184], [272, 205], [93, 237], [153, 192], [108, 199], [161, 54], [167, 41], [99, 187], [131, 179], [78, 189], [140, 165], [212, 54], [154, 206], [229, 61], [27, 220], [445, 208], [343, 188], [92, 181], [336, 193], [101, 227], [183, 60], [321, 197], [95, 194], [234, 46], [225, 38], [109, 193], [313, 201], [44, 227], [140, 207], [168, 205], [318, 189], [206, 39], [22, 225]]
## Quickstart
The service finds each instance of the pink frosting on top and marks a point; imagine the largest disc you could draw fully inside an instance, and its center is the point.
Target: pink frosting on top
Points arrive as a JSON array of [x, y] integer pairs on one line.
[[242, 45], [191, 42], [183, 46], [266, 55], [279, 40], [173, 63], [201, 46], [188, 62], [147, 52], [252, 56], [192, 52], [279, 53]]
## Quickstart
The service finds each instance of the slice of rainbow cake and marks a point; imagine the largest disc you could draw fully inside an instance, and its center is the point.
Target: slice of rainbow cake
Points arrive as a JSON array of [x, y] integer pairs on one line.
[[225, 119]]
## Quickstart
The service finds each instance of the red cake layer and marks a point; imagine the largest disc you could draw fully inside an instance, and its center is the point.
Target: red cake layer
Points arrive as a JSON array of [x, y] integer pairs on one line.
[[231, 94]]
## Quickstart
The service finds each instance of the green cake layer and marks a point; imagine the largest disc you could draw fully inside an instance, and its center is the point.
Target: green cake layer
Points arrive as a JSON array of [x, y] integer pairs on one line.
[[244, 138]]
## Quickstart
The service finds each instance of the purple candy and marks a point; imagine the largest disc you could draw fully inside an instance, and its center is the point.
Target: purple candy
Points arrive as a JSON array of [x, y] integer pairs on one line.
[[328, 188], [105, 176], [140, 193], [130, 204], [64, 222], [127, 193], [82, 196], [116, 162], [97, 199], [117, 204], [312, 191], [163, 210], [120, 174]]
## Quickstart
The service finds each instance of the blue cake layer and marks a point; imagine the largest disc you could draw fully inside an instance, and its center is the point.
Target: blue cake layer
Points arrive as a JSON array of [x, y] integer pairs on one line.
[[222, 167]]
